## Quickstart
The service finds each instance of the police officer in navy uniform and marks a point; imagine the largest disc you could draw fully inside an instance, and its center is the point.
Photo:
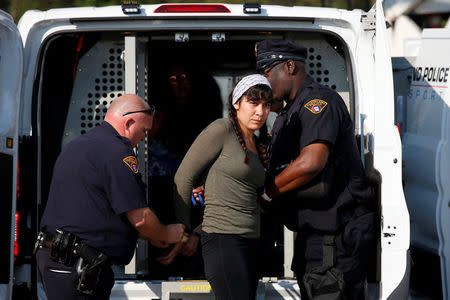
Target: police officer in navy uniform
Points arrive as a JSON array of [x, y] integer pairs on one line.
[[97, 198], [313, 138]]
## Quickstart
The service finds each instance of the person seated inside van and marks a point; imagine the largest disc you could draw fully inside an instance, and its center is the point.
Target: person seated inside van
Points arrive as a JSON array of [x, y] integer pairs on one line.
[[187, 99]]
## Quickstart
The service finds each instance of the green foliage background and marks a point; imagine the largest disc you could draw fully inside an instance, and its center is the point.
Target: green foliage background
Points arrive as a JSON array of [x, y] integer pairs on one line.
[[16, 8]]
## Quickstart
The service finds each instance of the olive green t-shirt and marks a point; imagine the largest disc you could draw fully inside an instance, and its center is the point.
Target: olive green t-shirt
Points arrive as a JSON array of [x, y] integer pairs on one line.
[[230, 187]]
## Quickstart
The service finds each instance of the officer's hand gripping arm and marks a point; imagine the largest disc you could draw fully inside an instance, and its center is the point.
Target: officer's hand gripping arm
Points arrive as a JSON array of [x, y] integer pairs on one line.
[[148, 225], [303, 169]]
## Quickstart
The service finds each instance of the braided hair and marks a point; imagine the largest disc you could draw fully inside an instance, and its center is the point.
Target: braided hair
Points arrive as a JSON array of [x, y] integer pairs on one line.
[[255, 93]]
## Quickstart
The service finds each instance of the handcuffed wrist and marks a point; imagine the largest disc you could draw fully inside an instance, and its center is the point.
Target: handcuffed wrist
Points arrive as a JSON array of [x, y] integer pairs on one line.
[[265, 197]]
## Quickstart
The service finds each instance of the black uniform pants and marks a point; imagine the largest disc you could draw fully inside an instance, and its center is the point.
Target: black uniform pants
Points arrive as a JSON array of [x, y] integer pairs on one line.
[[60, 282], [355, 248], [231, 265]]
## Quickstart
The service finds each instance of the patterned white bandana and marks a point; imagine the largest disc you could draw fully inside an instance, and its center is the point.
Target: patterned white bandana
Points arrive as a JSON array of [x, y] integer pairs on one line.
[[247, 82]]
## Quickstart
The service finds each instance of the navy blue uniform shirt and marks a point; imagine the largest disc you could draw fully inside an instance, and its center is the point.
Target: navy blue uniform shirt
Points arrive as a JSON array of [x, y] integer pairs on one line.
[[317, 114], [95, 181]]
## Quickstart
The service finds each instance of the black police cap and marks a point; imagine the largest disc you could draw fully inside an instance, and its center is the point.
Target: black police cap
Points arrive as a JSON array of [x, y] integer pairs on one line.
[[270, 52]]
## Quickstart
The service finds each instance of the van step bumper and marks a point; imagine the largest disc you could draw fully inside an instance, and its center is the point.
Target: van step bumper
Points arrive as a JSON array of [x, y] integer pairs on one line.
[[196, 290]]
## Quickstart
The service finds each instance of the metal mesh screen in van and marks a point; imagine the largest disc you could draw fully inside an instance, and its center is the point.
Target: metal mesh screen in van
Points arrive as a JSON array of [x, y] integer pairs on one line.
[[99, 80], [322, 63], [325, 65]]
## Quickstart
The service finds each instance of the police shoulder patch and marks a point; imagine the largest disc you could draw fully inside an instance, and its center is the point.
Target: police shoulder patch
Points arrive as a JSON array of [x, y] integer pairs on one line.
[[316, 106], [132, 163]]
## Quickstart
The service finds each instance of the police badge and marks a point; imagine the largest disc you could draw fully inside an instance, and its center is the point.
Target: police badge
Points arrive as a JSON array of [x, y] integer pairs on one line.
[[316, 106], [132, 163]]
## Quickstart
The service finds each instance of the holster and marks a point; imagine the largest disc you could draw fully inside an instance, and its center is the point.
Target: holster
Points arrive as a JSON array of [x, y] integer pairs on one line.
[[91, 267], [66, 248], [325, 282]]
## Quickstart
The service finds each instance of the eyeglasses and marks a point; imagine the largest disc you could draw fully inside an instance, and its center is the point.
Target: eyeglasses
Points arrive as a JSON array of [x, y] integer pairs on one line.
[[266, 71], [150, 111]]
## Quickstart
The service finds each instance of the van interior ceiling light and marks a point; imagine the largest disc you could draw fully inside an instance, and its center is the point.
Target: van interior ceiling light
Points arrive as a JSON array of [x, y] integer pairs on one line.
[[131, 8], [192, 8], [252, 8]]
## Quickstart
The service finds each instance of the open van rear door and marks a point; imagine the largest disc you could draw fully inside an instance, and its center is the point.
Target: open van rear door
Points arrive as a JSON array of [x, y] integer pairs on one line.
[[381, 148], [387, 161], [11, 67]]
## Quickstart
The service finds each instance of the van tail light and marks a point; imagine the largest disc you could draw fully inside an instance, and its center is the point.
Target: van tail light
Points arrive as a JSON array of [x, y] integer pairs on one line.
[[16, 237], [192, 8], [399, 128], [16, 229]]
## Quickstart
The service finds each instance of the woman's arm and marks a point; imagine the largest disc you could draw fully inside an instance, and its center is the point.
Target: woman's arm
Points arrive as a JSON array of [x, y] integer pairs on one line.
[[202, 154]]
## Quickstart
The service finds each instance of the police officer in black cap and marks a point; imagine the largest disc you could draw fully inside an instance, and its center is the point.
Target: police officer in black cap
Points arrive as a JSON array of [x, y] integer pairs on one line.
[[97, 207], [316, 172]]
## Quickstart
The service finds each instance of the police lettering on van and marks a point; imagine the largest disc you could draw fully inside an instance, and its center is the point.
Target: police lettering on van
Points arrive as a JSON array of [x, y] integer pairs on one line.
[[429, 83], [431, 74]]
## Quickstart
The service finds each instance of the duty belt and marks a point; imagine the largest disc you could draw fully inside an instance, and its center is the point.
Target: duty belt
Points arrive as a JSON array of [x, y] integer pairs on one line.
[[66, 248], [44, 240]]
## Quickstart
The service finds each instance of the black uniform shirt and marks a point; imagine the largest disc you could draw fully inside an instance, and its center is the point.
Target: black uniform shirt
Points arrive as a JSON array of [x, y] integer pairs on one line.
[[319, 114], [95, 181]]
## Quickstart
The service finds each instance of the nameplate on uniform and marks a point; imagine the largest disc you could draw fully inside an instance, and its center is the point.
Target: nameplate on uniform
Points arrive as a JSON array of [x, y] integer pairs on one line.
[[132, 163], [316, 106]]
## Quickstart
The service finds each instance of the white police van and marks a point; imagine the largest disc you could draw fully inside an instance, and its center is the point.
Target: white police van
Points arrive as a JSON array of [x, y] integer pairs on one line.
[[423, 113], [61, 69]]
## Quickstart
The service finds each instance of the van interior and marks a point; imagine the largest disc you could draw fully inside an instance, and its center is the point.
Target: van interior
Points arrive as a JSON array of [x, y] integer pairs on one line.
[[188, 81]]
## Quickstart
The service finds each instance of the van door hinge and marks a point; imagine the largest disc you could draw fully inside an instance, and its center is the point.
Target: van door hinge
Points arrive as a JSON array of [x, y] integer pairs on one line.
[[181, 37], [369, 20]]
